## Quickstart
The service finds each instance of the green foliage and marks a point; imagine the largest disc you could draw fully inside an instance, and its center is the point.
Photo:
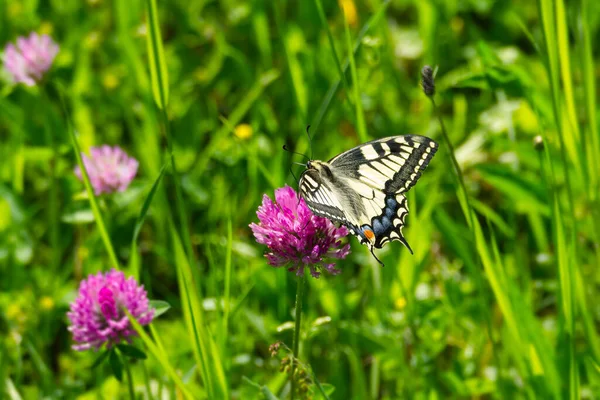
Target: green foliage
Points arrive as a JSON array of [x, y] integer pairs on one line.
[[496, 302]]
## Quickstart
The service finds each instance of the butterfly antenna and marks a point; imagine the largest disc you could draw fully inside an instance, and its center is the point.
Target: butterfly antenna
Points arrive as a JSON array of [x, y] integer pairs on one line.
[[294, 175], [378, 260], [295, 152], [309, 141]]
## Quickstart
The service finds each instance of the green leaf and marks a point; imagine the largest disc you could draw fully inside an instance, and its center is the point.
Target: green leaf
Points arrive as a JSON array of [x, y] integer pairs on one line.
[[90, 190], [100, 358], [134, 261], [144, 211], [116, 365], [324, 107], [156, 57], [360, 116], [158, 351], [325, 389], [160, 307], [132, 351], [206, 354], [268, 395]]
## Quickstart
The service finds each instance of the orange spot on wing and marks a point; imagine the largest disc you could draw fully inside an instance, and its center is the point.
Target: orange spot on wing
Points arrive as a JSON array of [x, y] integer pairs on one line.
[[369, 234]]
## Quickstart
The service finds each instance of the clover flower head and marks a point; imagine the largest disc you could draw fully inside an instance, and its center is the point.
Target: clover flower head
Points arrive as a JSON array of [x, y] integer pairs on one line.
[[98, 315], [28, 60], [296, 237], [110, 169]]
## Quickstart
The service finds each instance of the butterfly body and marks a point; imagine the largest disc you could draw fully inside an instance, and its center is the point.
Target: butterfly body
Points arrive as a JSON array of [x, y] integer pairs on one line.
[[364, 188]]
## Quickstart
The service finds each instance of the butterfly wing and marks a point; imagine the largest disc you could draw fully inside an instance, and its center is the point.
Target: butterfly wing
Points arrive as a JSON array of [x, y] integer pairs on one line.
[[390, 167], [320, 197], [398, 161], [366, 187]]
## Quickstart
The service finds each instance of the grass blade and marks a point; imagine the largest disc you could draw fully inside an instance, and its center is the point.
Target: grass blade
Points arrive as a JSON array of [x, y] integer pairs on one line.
[[205, 351], [323, 18], [324, 107], [589, 86], [360, 116], [134, 262], [227, 293], [294, 67], [236, 116], [159, 353], [158, 67], [90, 190]]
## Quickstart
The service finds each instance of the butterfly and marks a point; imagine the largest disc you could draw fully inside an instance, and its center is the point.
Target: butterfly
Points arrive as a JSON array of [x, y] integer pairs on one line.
[[365, 188]]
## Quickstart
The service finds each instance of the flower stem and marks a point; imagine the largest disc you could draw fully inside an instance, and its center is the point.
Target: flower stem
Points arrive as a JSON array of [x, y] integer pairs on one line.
[[147, 382], [129, 379], [468, 211], [53, 199], [296, 344]]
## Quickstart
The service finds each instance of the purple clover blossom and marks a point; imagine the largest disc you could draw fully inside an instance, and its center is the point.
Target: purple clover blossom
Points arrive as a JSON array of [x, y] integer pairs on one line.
[[28, 61], [97, 315], [110, 169], [296, 237]]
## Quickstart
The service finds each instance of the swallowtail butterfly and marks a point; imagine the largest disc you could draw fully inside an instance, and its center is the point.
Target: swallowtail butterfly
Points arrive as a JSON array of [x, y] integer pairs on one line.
[[365, 188]]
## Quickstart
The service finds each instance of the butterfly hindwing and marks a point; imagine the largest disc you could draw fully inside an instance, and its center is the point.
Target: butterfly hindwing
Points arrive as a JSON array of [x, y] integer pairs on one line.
[[388, 225], [383, 215], [364, 188]]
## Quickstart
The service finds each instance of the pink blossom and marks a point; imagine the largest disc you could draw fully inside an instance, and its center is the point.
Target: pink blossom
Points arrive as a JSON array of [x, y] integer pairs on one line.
[[28, 61], [296, 237], [98, 313], [110, 169]]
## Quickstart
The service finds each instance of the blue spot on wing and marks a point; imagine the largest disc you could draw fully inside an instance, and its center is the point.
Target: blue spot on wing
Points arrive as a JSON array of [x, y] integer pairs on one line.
[[386, 222], [390, 211], [391, 202], [378, 227], [383, 225]]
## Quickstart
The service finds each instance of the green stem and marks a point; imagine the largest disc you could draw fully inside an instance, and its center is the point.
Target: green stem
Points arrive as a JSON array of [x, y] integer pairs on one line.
[[88, 185], [147, 382], [53, 214], [183, 220], [360, 116], [296, 344], [129, 378], [469, 215]]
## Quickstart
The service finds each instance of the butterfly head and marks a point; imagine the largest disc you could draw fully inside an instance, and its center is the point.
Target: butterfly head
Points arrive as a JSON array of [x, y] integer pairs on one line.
[[323, 168]]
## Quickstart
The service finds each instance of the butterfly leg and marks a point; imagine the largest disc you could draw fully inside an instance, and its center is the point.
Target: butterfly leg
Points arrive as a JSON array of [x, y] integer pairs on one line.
[[373, 254], [368, 238]]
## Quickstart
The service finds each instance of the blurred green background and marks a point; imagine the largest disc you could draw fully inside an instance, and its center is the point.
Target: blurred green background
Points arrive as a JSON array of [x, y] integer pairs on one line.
[[501, 308]]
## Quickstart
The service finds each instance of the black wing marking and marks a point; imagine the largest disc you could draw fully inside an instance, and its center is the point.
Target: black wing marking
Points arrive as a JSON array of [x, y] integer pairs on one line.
[[319, 198], [392, 164], [388, 226]]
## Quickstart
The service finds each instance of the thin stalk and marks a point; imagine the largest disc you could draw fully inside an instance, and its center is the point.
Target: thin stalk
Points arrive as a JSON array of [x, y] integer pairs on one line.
[[360, 116], [227, 293], [183, 220], [338, 64], [469, 211], [129, 379], [296, 343], [147, 382], [324, 107], [53, 212], [88, 186], [457, 170], [161, 98]]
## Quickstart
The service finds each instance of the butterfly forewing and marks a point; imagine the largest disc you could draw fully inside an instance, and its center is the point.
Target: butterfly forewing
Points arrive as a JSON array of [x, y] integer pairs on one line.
[[397, 161], [319, 198]]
